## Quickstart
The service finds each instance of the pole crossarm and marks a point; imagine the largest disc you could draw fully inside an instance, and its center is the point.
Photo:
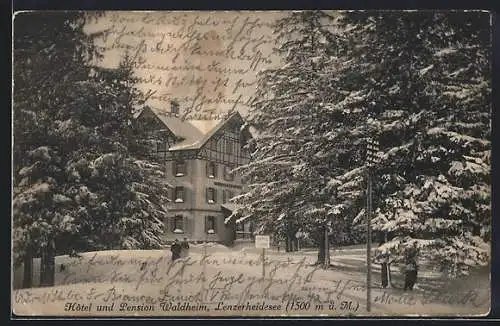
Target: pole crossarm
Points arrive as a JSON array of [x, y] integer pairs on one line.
[[372, 150]]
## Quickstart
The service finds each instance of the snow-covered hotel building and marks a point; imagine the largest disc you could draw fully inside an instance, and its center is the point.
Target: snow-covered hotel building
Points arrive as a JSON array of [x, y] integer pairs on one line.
[[199, 156]]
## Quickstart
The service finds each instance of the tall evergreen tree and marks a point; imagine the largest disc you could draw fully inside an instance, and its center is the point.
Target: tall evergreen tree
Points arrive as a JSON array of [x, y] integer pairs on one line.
[[429, 105], [79, 183], [302, 149]]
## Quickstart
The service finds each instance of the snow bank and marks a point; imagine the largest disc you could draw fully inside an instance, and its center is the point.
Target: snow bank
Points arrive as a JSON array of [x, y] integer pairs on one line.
[[143, 279]]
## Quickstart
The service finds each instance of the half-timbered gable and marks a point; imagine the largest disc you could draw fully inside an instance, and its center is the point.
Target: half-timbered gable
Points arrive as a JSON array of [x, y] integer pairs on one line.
[[159, 137], [226, 145]]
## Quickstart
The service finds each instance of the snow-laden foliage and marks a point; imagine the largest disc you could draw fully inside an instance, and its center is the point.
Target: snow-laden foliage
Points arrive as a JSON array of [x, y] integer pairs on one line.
[[308, 138], [428, 76], [418, 82], [79, 179]]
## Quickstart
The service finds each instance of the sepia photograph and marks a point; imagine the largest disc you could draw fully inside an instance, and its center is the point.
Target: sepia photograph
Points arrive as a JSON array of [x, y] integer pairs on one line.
[[309, 163]]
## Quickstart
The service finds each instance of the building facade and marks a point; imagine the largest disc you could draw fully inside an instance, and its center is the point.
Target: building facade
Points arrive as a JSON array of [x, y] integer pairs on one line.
[[199, 158]]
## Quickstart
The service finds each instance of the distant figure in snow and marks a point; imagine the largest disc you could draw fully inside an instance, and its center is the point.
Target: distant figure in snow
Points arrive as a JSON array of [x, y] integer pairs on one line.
[[384, 266], [184, 248], [411, 267], [175, 248]]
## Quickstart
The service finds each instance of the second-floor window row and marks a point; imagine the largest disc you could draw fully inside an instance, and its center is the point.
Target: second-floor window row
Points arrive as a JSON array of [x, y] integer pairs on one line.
[[179, 169], [179, 195]]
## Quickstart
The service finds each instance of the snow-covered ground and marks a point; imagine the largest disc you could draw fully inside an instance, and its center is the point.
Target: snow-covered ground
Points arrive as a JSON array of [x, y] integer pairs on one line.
[[216, 280]]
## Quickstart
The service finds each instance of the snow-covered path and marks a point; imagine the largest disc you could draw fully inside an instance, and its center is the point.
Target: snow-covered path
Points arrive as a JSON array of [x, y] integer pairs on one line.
[[226, 282]]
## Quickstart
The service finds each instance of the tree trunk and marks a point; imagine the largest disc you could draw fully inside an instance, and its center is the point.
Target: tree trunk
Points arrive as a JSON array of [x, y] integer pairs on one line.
[[321, 251], [324, 248], [47, 264], [28, 268], [291, 242], [295, 243]]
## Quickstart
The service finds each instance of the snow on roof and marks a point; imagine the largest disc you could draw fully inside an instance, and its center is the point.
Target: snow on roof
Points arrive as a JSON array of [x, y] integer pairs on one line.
[[179, 127], [204, 126], [193, 133], [229, 207], [206, 129]]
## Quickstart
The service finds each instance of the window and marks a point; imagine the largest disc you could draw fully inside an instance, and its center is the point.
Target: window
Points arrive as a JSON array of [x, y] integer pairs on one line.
[[174, 106], [210, 225], [177, 224], [211, 170], [228, 175], [240, 230], [226, 196], [179, 168], [161, 146], [211, 196], [180, 195]]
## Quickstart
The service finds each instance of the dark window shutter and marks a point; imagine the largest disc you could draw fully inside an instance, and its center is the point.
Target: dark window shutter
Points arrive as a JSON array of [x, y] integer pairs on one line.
[[207, 192], [207, 169], [206, 223], [174, 167], [185, 224], [215, 195], [215, 169], [215, 224], [171, 193], [172, 223]]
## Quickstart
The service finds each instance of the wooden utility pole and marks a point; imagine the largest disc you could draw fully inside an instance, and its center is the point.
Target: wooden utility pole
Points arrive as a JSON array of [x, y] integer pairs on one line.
[[369, 242], [372, 159], [47, 263], [327, 249], [28, 268], [263, 263]]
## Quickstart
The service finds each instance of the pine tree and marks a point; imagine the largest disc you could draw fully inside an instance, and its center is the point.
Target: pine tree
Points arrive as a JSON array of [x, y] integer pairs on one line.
[[429, 105], [79, 183], [302, 161]]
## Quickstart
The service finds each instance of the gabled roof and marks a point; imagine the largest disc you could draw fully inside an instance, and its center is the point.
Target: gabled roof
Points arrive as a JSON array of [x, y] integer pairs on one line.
[[194, 133]]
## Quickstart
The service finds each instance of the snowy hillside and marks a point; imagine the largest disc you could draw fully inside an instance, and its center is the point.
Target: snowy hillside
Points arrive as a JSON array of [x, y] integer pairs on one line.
[[136, 281]]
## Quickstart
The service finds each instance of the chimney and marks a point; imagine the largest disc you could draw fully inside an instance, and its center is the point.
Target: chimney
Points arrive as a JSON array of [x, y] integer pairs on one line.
[[174, 107]]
